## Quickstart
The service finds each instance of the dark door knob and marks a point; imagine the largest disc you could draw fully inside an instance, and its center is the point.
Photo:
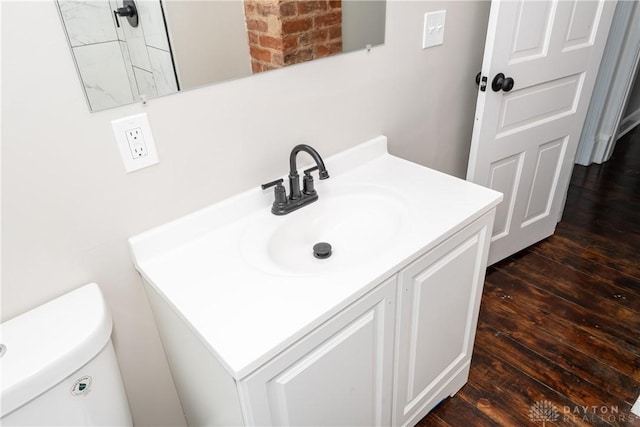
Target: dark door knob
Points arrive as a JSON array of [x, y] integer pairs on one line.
[[478, 78], [500, 82]]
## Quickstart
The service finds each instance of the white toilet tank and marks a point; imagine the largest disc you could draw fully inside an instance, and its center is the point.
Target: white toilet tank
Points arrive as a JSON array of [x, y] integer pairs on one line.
[[58, 367]]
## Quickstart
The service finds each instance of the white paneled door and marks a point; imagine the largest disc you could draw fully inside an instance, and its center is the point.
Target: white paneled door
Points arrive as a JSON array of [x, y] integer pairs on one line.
[[525, 136]]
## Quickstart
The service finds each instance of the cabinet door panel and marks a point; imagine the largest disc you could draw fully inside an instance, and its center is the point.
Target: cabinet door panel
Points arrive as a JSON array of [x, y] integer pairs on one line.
[[440, 297], [339, 375], [305, 392], [439, 322]]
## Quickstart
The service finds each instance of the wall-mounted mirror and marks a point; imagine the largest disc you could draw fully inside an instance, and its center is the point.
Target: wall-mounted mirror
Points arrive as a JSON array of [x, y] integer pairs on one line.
[[130, 50]]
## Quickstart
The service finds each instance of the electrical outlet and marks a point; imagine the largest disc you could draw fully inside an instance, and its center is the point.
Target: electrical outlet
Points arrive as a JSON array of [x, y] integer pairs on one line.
[[433, 31], [137, 146], [135, 141]]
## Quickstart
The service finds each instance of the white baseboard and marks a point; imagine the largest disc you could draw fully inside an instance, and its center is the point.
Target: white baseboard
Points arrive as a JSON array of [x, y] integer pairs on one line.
[[629, 122], [636, 407]]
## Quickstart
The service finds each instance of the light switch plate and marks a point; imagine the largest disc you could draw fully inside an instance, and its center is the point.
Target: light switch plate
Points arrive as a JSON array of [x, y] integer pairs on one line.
[[433, 32], [135, 141]]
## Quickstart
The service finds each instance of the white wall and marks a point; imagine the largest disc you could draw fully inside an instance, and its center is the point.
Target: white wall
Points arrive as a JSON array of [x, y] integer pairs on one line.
[[68, 207]]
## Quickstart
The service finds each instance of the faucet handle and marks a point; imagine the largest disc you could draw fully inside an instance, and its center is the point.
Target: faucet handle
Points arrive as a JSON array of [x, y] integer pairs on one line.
[[277, 182], [279, 193]]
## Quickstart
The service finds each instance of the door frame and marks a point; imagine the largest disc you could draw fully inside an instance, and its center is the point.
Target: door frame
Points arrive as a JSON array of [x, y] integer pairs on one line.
[[613, 85]]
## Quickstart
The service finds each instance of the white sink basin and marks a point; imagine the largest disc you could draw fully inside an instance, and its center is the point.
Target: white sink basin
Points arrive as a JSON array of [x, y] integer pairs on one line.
[[359, 222]]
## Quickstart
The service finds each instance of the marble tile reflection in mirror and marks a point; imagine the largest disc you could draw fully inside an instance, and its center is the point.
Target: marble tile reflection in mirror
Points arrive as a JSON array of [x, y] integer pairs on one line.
[[185, 44]]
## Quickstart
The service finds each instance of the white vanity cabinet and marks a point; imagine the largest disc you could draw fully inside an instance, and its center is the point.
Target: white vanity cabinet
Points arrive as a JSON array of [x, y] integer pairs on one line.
[[375, 335], [341, 374], [438, 312]]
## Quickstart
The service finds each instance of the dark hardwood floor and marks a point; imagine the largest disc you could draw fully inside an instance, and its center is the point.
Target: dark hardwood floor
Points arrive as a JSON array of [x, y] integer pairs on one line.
[[559, 324]]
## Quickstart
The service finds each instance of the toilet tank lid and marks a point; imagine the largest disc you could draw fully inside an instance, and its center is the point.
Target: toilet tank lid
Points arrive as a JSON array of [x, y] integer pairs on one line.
[[43, 346]]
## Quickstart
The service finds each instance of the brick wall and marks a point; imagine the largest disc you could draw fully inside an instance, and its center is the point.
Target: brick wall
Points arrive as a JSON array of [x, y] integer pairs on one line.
[[285, 32]]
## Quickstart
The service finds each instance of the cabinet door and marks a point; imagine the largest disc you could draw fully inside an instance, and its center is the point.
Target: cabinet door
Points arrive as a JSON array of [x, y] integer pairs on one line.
[[440, 298], [340, 374]]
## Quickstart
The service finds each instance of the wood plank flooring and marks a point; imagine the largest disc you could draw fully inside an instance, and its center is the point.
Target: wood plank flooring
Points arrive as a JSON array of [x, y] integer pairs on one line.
[[560, 321]]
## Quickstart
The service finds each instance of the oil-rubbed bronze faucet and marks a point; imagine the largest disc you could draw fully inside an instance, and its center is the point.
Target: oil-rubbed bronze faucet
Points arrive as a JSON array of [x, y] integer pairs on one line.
[[297, 199]]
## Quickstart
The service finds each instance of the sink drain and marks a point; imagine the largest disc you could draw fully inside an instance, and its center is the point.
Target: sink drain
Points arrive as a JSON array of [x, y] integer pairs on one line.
[[322, 250]]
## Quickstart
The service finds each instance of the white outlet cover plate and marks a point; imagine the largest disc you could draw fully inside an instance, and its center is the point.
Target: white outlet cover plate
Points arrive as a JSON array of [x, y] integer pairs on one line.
[[120, 128], [433, 32]]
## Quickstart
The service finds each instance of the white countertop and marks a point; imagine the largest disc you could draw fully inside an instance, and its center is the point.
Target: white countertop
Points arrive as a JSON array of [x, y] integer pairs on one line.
[[245, 315]]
